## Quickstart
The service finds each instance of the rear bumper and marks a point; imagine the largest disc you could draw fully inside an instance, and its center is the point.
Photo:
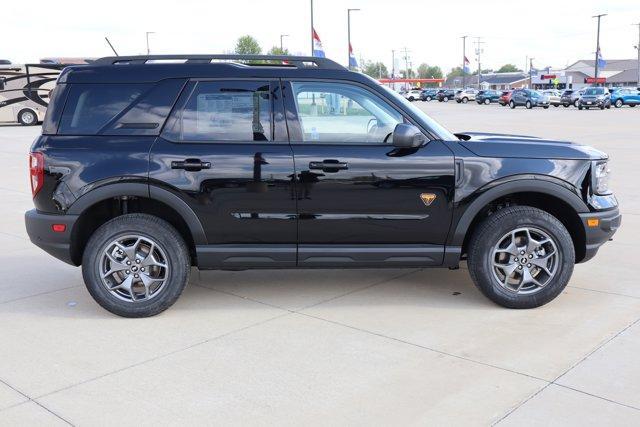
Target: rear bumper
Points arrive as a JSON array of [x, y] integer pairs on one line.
[[57, 244], [608, 223]]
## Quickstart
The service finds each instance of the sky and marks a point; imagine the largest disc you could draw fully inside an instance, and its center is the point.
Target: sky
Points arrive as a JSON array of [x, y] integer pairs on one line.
[[553, 33]]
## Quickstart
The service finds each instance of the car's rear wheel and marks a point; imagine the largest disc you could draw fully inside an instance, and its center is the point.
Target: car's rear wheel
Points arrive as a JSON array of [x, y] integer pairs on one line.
[[446, 99], [528, 105], [512, 104], [576, 103], [27, 117], [429, 99], [465, 100], [411, 98], [136, 265], [566, 105], [521, 257]]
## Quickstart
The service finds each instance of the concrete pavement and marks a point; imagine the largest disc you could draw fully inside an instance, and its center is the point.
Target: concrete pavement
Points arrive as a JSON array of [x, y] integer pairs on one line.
[[387, 347]]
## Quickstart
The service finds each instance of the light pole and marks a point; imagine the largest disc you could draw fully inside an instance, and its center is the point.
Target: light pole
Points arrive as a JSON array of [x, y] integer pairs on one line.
[[349, 35], [638, 49], [464, 60], [597, 46], [281, 45], [311, 27], [531, 73], [147, 35]]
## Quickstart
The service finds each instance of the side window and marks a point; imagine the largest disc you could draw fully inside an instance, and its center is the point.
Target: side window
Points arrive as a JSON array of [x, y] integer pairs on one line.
[[90, 106], [343, 113], [224, 111]]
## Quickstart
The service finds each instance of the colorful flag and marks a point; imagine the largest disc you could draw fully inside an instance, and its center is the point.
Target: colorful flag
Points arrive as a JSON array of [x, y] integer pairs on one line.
[[601, 62], [317, 45], [466, 65], [352, 58]]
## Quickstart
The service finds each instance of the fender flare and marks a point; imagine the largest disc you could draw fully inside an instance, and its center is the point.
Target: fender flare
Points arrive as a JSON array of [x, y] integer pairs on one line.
[[143, 190], [543, 186]]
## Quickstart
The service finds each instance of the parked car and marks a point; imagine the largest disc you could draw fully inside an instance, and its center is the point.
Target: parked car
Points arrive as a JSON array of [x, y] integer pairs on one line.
[[571, 97], [172, 165], [428, 94], [445, 95], [555, 98], [625, 96], [413, 95], [465, 95], [528, 98], [595, 97], [488, 96], [505, 97]]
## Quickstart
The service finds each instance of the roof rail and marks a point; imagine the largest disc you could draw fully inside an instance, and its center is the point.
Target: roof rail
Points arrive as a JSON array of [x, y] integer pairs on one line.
[[294, 61]]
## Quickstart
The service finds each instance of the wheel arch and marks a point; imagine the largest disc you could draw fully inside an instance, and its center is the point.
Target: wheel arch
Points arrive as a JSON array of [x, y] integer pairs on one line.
[[549, 196], [112, 200]]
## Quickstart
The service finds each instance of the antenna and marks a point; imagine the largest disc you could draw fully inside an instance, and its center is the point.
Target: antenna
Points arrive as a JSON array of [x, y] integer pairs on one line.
[[111, 46]]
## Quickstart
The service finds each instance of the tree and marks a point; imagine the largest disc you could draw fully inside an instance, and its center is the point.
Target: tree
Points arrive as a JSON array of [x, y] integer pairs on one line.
[[429, 72], [455, 72], [375, 69], [408, 75], [277, 51], [508, 68], [247, 45]]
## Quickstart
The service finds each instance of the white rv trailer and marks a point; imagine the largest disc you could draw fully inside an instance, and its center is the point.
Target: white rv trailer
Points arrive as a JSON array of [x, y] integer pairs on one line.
[[24, 91]]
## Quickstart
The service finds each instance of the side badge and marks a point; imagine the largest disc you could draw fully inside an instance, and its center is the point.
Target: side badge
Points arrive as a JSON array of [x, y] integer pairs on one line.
[[427, 198]]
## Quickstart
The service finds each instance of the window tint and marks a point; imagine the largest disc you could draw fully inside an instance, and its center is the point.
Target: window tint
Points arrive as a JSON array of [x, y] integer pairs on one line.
[[224, 111], [90, 106], [343, 113]]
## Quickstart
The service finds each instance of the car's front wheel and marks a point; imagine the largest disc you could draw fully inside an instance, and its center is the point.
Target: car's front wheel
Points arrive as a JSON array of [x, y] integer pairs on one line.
[[136, 265], [618, 103], [487, 101], [512, 104], [27, 117], [428, 99], [528, 105], [521, 257], [576, 103]]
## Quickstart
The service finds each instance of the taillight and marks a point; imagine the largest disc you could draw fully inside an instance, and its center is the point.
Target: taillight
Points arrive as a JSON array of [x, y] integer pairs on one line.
[[36, 172]]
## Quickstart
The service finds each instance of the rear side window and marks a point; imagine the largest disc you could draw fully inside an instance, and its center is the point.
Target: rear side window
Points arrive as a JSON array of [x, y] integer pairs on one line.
[[91, 106], [224, 111]]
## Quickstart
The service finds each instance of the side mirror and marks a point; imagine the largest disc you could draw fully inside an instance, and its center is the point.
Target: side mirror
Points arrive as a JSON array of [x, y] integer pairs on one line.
[[407, 136]]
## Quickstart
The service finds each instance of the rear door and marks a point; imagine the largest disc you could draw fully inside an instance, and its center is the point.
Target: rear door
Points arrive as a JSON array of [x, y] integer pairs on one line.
[[361, 201], [225, 152]]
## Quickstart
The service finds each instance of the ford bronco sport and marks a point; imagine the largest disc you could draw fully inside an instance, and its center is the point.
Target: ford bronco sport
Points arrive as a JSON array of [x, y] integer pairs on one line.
[[147, 167]]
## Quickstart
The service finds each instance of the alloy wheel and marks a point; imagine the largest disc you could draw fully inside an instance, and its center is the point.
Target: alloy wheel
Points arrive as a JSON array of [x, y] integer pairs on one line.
[[525, 260], [133, 268]]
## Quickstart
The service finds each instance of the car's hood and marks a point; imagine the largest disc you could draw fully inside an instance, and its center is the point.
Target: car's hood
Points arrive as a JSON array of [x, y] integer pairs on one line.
[[501, 145]]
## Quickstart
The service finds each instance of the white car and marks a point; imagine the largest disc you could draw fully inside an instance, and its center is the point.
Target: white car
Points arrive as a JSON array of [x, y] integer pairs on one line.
[[413, 94], [554, 97], [466, 95]]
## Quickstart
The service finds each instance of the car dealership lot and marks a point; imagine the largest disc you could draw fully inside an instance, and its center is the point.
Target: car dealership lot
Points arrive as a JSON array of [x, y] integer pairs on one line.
[[330, 346]]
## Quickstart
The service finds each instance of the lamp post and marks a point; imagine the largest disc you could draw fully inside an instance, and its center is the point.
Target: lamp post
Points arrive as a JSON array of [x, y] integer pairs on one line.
[[311, 27], [349, 36], [597, 46], [147, 35], [464, 60], [638, 49], [281, 45]]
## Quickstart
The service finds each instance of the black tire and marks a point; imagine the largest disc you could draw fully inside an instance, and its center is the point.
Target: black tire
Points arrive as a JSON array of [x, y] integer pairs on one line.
[[576, 103], [465, 100], [487, 101], [429, 99], [566, 105], [27, 117], [546, 107], [556, 105], [580, 107], [632, 105], [619, 103], [528, 105], [489, 232], [411, 99], [512, 104], [168, 240], [446, 99]]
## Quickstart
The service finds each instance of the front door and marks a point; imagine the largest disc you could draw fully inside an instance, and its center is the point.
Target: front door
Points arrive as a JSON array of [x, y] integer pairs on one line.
[[225, 152], [361, 201]]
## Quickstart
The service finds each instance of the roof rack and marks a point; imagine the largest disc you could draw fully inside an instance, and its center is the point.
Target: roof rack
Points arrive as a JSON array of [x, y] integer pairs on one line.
[[292, 61]]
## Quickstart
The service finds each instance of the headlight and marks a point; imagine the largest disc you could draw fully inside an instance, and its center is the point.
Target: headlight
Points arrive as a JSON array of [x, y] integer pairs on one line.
[[601, 174]]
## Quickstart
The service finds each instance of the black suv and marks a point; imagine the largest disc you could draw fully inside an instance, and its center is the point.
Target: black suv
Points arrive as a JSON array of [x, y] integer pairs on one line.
[[147, 167], [445, 95]]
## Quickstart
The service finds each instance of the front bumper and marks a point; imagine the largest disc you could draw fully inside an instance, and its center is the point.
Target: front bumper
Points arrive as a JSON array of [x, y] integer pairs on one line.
[[593, 102], [58, 244], [608, 223]]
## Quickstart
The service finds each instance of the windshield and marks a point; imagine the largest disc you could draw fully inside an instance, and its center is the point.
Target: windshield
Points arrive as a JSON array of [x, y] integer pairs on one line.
[[594, 91], [436, 128]]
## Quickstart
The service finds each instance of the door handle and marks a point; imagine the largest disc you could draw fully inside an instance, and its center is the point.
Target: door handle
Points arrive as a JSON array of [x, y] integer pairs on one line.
[[190, 165], [329, 165]]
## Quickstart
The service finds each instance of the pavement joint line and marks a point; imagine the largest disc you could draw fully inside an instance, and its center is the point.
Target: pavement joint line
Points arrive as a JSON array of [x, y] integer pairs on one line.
[[597, 396], [423, 347], [30, 399], [162, 356], [40, 294], [604, 292], [240, 296], [570, 369]]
